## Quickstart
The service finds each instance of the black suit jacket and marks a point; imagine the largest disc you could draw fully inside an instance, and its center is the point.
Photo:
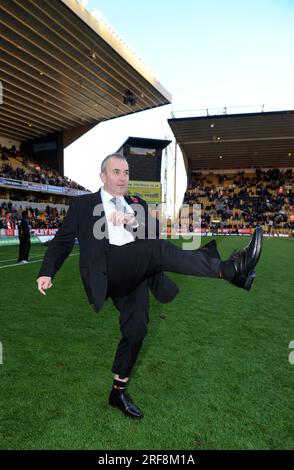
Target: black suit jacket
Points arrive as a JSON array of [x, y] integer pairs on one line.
[[24, 230], [79, 222]]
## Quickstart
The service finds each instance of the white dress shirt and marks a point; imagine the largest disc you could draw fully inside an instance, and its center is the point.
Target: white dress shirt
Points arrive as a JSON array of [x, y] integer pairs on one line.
[[118, 235]]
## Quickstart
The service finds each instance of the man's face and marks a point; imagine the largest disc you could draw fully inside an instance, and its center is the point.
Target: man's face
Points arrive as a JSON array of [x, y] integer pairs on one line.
[[116, 176]]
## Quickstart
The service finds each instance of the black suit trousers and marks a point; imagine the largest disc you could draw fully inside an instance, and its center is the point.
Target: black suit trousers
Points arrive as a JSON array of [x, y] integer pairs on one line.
[[133, 320], [130, 264], [129, 267], [24, 248]]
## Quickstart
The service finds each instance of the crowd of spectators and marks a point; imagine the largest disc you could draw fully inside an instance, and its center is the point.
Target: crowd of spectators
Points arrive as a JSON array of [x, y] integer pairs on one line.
[[15, 165], [244, 200], [10, 216], [32, 196]]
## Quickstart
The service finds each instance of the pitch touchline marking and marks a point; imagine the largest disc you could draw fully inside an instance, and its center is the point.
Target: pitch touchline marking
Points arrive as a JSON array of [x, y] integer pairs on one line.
[[30, 262], [14, 259]]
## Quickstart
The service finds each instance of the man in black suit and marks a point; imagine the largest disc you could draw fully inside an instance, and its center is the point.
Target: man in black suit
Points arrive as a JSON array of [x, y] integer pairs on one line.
[[24, 235], [119, 259]]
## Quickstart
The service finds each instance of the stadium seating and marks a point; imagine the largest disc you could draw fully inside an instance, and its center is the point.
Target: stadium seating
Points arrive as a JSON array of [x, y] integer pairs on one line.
[[16, 165], [243, 200], [42, 213]]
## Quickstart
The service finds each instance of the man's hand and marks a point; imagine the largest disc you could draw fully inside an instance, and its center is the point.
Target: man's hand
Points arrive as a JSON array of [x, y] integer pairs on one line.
[[122, 218], [44, 282]]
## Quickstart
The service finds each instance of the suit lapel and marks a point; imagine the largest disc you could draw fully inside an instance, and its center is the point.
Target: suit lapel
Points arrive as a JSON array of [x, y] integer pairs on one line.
[[131, 202], [98, 213]]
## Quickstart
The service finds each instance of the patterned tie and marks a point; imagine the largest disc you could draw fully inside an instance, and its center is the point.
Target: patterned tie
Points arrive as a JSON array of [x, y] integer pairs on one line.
[[121, 208], [118, 204]]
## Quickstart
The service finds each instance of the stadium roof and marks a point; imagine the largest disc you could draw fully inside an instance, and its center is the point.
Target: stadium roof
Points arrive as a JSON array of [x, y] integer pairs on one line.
[[61, 68], [144, 142], [237, 141]]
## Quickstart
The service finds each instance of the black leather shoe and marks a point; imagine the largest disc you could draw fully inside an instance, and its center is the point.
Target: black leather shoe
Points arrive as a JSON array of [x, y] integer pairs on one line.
[[123, 402], [246, 259]]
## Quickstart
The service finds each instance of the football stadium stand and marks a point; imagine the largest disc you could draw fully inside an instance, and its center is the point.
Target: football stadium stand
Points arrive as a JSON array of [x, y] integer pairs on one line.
[[235, 202], [62, 72], [30, 185], [240, 169]]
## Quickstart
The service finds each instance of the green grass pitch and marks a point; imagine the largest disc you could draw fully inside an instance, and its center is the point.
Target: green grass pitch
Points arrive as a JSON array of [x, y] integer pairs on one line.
[[214, 371]]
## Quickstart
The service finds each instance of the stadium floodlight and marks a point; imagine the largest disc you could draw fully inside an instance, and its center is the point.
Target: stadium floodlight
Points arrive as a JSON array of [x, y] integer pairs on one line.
[[129, 98]]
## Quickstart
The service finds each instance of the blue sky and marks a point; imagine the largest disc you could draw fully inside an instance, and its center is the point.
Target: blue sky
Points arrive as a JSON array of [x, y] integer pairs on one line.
[[207, 54], [211, 53]]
